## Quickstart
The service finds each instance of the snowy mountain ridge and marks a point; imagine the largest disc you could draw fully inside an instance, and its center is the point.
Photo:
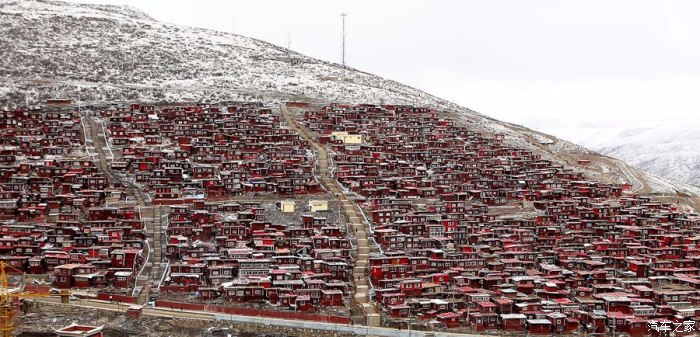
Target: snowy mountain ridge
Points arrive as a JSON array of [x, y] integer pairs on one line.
[[666, 149], [662, 147], [100, 52], [87, 10]]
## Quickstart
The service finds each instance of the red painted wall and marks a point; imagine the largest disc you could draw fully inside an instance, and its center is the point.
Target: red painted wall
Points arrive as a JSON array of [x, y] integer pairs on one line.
[[254, 312], [116, 298]]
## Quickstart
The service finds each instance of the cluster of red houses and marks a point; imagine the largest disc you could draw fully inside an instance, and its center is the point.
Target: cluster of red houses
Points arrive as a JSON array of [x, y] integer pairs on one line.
[[581, 256], [577, 255], [199, 151], [53, 217], [192, 158], [230, 251]]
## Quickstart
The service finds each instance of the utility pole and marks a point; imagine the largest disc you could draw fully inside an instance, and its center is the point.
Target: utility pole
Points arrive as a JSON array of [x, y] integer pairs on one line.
[[343, 16], [289, 48]]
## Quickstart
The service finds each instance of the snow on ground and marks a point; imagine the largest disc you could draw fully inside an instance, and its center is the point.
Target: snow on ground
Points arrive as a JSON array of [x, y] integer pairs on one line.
[[662, 185], [668, 149], [112, 51], [663, 147], [98, 53], [541, 138]]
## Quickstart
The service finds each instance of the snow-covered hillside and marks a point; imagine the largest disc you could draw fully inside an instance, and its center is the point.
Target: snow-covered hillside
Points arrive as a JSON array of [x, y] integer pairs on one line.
[[99, 53], [667, 149], [664, 148]]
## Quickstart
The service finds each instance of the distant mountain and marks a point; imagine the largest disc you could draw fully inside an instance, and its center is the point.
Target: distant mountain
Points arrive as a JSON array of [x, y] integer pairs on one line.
[[668, 149]]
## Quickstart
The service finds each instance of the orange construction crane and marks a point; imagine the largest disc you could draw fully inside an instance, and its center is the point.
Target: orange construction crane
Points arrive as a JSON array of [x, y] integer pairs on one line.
[[8, 300]]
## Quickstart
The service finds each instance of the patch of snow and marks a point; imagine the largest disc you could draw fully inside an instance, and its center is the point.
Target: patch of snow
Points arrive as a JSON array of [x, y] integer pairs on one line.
[[116, 53], [662, 185]]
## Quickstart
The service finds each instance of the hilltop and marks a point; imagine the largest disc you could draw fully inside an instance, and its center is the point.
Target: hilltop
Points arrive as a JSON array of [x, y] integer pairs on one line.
[[115, 53], [103, 53]]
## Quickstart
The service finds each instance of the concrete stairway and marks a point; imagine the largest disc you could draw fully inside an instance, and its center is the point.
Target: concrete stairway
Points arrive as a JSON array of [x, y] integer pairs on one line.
[[361, 295]]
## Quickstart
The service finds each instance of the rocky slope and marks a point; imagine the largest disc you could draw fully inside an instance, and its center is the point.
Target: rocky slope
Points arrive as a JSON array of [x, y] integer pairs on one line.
[[99, 53]]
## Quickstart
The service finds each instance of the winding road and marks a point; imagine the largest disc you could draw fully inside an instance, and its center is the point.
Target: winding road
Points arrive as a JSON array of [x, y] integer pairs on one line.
[[559, 145], [637, 184]]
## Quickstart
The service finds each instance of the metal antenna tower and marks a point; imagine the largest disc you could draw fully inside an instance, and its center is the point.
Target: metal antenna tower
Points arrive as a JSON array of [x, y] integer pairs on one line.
[[343, 16]]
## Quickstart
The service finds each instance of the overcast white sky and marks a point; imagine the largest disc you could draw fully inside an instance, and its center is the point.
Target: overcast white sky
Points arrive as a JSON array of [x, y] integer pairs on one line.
[[541, 63]]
